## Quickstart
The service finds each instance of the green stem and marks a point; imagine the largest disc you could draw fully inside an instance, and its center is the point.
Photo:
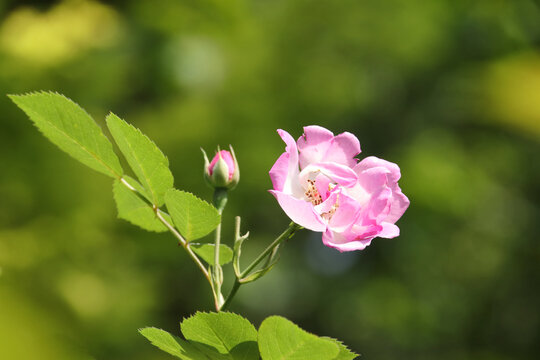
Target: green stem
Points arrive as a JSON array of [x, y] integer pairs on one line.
[[220, 201], [233, 291], [287, 234]]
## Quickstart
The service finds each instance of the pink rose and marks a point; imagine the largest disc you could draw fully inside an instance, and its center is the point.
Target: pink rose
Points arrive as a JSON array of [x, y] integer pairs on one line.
[[321, 186]]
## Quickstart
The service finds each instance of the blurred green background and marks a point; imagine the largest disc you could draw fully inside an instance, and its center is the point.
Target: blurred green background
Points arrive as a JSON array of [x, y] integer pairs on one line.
[[449, 90]]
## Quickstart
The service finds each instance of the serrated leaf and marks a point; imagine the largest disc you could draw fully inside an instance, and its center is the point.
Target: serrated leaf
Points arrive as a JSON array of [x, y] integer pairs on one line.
[[206, 252], [172, 344], [281, 339], [344, 352], [193, 217], [70, 128], [134, 209], [229, 334], [144, 157]]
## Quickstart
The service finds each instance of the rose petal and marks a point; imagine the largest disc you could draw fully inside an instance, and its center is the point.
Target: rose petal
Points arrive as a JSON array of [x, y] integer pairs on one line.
[[313, 144], [279, 172], [326, 206], [320, 145], [288, 182], [300, 211], [389, 230], [378, 207], [341, 243], [394, 173], [373, 179], [400, 203], [340, 174], [343, 150], [346, 213], [369, 170], [322, 183]]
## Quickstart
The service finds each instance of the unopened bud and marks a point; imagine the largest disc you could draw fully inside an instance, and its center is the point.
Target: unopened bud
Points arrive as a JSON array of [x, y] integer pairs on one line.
[[222, 171]]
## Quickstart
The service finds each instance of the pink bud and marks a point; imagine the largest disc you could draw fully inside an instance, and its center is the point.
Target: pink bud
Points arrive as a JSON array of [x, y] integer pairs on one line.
[[227, 157], [222, 171]]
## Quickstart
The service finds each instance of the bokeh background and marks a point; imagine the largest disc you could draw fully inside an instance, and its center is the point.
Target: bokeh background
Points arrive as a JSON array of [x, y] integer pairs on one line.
[[449, 90]]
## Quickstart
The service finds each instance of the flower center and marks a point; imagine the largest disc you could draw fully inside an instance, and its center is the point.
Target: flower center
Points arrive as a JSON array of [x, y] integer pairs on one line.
[[313, 194], [328, 215]]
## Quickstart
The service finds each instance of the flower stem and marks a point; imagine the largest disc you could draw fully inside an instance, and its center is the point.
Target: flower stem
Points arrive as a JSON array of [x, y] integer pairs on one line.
[[220, 201], [229, 298], [287, 234]]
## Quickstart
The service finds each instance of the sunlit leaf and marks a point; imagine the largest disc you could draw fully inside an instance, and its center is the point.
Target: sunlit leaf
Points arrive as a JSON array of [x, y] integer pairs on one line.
[[280, 339], [229, 334], [193, 217], [144, 157], [172, 344], [70, 128], [344, 352]]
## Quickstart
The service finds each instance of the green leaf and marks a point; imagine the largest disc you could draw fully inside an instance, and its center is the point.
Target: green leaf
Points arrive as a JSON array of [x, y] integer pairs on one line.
[[229, 334], [281, 339], [70, 128], [344, 352], [133, 208], [206, 252], [163, 340], [193, 217], [144, 157], [172, 344]]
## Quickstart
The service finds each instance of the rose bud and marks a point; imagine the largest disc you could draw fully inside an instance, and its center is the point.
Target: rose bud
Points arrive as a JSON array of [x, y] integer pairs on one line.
[[222, 171]]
